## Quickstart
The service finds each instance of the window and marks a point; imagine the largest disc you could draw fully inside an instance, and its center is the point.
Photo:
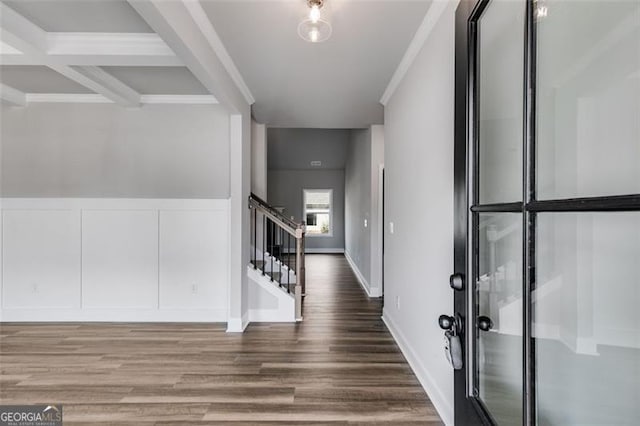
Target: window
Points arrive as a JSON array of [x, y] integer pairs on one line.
[[317, 210]]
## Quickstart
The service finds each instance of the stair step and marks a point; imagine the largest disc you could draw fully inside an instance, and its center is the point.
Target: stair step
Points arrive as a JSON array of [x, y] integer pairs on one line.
[[259, 264], [288, 281]]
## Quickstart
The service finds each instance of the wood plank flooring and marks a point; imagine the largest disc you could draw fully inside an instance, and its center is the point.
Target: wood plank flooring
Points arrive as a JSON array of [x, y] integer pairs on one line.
[[340, 366]]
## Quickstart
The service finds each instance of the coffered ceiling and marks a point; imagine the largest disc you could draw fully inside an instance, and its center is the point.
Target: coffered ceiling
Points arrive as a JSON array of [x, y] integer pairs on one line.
[[112, 51]]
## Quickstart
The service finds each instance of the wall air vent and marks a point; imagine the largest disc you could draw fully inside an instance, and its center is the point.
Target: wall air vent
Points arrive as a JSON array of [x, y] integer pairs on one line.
[[316, 163]]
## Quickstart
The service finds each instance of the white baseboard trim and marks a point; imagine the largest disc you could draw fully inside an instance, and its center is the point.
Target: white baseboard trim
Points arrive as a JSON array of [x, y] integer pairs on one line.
[[371, 292], [437, 397], [270, 315], [112, 315], [324, 250], [238, 325]]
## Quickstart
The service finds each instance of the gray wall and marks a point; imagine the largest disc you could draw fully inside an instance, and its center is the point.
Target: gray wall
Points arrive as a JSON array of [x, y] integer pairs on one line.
[[289, 154], [358, 202], [296, 148], [259, 159], [285, 190], [104, 150], [419, 201]]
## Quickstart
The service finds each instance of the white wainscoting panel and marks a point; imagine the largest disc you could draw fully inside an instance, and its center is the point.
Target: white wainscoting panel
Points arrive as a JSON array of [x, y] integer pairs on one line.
[[114, 260], [41, 259], [119, 259], [193, 259]]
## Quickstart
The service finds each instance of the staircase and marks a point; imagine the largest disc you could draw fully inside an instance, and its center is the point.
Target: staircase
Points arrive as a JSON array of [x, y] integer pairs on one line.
[[277, 252]]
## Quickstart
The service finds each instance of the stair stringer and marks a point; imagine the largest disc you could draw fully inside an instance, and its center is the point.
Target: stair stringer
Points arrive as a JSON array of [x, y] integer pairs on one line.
[[286, 309]]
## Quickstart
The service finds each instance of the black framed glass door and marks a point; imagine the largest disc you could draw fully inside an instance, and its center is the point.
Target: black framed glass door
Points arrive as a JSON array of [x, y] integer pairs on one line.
[[552, 180]]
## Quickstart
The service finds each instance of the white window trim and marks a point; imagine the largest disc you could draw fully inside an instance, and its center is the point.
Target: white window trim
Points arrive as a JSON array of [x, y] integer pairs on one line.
[[304, 211]]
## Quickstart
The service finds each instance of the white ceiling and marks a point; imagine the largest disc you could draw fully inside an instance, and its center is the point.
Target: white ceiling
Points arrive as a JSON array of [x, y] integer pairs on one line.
[[38, 79], [107, 16], [335, 84], [158, 80]]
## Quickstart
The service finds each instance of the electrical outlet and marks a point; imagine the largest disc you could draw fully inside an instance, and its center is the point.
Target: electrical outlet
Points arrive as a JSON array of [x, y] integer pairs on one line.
[[194, 289], [391, 227], [366, 223], [398, 302]]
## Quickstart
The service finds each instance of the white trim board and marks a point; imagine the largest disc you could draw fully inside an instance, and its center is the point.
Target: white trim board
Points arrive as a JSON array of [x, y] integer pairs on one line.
[[435, 394], [323, 250], [363, 282], [208, 31], [91, 98], [113, 204], [97, 49], [434, 13], [112, 315], [238, 325]]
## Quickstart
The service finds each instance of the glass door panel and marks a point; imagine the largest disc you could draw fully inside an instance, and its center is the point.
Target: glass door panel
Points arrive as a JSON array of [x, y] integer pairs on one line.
[[576, 361], [500, 92], [499, 305], [587, 320], [588, 98]]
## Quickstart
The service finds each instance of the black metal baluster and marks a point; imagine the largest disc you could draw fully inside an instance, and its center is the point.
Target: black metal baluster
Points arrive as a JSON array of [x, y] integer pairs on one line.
[[264, 230], [272, 234], [295, 261], [280, 257], [288, 260], [255, 238]]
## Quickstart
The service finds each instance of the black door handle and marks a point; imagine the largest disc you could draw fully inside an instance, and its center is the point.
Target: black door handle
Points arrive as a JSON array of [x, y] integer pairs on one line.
[[485, 323], [446, 322], [451, 323], [456, 282]]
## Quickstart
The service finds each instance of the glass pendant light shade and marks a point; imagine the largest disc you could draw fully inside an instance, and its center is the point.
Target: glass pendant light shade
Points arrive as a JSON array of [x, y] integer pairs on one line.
[[314, 32], [315, 27]]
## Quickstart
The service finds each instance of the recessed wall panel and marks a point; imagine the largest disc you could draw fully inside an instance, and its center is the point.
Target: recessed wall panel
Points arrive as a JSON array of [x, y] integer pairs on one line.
[[41, 259], [120, 258], [193, 259]]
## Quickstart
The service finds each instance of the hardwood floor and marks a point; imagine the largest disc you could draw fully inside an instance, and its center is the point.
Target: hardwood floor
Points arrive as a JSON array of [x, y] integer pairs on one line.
[[339, 366]]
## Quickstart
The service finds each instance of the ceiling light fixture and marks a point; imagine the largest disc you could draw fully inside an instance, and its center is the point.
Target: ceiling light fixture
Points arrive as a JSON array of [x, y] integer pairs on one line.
[[313, 28]]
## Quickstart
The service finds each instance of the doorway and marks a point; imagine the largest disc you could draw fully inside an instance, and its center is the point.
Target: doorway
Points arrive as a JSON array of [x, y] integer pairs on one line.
[[548, 201]]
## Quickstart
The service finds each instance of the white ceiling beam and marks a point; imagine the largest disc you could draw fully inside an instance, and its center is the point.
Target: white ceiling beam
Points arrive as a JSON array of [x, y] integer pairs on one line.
[[11, 96], [107, 80], [174, 22], [429, 22], [204, 23], [5, 49], [32, 40], [100, 49], [90, 98]]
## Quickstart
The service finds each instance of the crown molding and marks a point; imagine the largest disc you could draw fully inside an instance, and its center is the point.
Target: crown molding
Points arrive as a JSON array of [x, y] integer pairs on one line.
[[430, 20], [206, 27]]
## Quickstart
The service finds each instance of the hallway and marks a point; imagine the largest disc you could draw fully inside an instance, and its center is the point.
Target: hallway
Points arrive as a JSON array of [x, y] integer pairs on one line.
[[339, 366]]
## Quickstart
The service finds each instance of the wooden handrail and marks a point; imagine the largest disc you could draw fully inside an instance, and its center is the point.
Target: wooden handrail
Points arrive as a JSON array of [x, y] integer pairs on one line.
[[274, 226], [293, 228]]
